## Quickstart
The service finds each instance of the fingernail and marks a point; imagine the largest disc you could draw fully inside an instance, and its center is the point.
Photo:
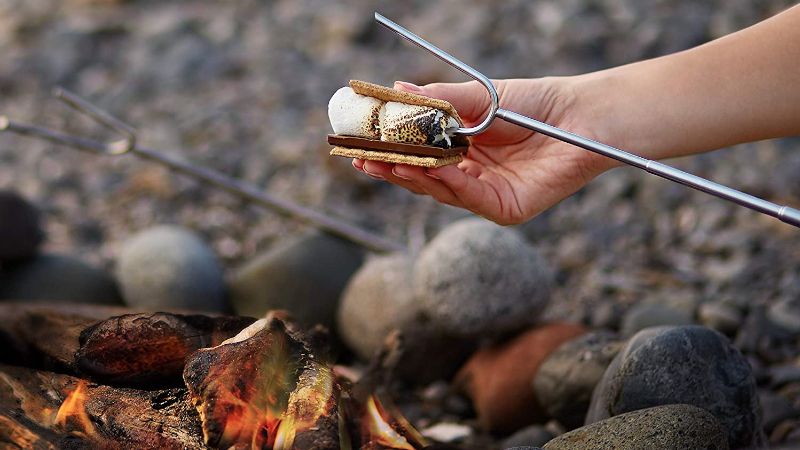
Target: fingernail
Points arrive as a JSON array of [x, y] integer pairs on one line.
[[377, 177], [404, 177], [432, 175], [355, 166], [408, 87]]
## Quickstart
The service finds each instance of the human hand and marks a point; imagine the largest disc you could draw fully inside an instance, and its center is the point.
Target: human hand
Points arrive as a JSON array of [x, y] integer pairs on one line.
[[509, 174]]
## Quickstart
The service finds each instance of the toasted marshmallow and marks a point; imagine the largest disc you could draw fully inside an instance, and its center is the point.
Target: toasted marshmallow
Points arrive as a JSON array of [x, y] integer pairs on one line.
[[421, 125], [356, 115]]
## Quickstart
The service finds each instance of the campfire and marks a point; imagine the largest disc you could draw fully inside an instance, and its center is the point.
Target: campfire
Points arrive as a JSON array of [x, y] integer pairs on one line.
[[70, 379]]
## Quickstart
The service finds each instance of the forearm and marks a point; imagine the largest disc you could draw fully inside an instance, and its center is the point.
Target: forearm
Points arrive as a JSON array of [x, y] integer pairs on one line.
[[739, 88]]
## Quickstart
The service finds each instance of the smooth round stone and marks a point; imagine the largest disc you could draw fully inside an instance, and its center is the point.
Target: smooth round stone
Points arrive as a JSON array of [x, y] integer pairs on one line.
[[304, 275], [646, 315], [59, 278], [379, 300], [529, 437], [476, 278], [564, 383], [677, 426], [170, 267], [20, 231], [687, 364], [720, 316], [498, 379]]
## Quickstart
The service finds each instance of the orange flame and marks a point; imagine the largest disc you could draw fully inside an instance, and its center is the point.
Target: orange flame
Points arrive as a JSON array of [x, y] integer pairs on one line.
[[378, 429], [74, 408]]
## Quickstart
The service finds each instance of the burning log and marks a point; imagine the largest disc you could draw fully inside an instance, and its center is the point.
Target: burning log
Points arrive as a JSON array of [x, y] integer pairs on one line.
[[60, 409], [149, 349], [264, 388]]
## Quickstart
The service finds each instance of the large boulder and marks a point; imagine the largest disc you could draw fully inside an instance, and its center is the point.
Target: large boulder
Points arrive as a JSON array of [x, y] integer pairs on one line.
[[170, 267], [689, 364], [476, 278]]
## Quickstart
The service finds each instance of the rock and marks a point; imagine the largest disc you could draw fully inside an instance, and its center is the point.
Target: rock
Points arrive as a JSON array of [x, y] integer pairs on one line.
[[477, 278], [606, 315], [170, 267], [530, 436], [645, 315], [305, 276], [447, 432], [379, 299], [786, 314], [720, 316], [676, 426], [498, 379], [20, 231], [688, 364], [564, 384], [59, 278], [776, 408]]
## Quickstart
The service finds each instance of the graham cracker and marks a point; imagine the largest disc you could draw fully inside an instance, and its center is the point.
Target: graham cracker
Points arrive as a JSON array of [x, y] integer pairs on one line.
[[396, 158], [392, 95]]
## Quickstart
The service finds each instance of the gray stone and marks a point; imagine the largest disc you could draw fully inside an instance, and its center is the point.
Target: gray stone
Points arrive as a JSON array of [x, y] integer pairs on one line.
[[478, 278], [688, 364], [170, 267], [528, 437], [720, 316], [667, 427], [565, 381], [377, 300], [304, 275], [786, 314], [777, 408], [58, 278], [645, 315], [20, 232]]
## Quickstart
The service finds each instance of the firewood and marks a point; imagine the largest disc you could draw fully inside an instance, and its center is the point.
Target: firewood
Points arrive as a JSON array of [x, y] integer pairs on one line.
[[149, 349]]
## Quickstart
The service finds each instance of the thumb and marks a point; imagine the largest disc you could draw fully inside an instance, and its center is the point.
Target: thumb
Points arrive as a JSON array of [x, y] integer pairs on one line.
[[470, 99]]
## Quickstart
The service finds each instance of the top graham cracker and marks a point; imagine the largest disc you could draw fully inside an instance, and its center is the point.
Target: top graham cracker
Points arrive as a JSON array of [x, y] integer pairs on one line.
[[392, 95]]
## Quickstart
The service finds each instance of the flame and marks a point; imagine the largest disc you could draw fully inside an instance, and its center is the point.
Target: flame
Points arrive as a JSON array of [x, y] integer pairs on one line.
[[307, 403], [378, 429], [74, 407]]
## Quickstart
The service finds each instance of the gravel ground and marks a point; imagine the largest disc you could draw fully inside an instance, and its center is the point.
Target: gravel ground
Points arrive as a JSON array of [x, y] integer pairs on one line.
[[242, 87]]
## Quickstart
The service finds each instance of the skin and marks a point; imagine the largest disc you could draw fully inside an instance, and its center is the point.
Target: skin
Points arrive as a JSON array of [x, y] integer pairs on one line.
[[740, 88]]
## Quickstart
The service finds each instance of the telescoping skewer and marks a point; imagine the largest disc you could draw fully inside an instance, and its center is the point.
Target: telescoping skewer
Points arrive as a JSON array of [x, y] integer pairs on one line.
[[782, 212]]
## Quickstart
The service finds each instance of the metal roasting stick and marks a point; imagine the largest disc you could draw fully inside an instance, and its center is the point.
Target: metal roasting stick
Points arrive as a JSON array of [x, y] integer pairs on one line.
[[236, 187], [784, 213]]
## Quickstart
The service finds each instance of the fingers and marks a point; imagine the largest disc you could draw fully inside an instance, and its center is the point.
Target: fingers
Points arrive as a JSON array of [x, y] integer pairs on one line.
[[470, 191], [470, 99], [383, 171], [422, 178]]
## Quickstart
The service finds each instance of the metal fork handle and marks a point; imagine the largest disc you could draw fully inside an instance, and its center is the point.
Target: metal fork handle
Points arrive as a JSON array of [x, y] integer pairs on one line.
[[784, 213]]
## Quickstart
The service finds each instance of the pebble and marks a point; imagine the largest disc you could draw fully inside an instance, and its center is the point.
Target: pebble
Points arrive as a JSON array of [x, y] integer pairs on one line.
[[676, 426], [20, 230], [645, 315], [476, 278], [564, 383], [304, 275], [786, 314], [720, 316], [498, 378], [447, 432], [685, 364], [170, 267], [776, 408], [378, 300], [530, 436], [59, 278]]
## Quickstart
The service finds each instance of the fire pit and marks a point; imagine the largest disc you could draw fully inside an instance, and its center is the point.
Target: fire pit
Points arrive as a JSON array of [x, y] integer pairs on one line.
[[96, 378]]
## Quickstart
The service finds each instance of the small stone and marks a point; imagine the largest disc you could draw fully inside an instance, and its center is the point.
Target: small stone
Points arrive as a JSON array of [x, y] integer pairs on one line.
[[675, 426], [786, 314], [20, 231], [378, 300], [530, 436], [564, 383], [498, 379], [447, 432], [776, 407], [687, 364], [477, 278], [170, 267], [59, 278], [645, 315], [304, 275], [720, 316]]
